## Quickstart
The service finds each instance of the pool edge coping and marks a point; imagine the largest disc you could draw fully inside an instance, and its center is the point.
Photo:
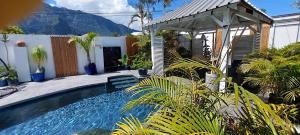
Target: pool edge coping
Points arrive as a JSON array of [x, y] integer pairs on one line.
[[50, 94]]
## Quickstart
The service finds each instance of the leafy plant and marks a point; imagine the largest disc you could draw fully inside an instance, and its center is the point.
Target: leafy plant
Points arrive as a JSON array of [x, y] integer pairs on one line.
[[141, 63], [277, 71], [124, 60], [2, 70], [189, 107], [39, 56], [5, 39], [12, 75], [12, 30], [143, 58], [143, 40], [86, 42]]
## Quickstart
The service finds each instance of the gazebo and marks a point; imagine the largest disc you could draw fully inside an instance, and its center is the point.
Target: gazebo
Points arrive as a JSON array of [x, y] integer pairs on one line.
[[221, 16]]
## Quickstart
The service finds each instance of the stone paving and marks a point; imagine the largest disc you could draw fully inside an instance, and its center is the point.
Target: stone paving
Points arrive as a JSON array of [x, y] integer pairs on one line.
[[33, 90]]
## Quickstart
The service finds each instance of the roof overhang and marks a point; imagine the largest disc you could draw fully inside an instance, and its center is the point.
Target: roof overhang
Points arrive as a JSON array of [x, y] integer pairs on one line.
[[244, 14]]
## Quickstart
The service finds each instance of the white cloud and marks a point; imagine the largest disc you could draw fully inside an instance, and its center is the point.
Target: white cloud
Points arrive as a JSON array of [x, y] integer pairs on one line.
[[114, 10]]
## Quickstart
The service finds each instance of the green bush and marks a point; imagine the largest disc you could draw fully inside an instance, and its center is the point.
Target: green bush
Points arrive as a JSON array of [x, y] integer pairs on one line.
[[277, 72]]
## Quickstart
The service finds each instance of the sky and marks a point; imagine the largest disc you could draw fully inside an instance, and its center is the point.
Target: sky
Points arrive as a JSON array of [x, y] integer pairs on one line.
[[120, 11]]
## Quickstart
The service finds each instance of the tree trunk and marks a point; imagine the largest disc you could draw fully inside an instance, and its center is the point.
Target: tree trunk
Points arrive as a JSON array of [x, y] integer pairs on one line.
[[88, 57], [7, 58]]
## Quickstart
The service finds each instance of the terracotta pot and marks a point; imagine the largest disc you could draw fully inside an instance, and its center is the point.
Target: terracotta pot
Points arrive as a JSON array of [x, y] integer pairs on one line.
[[21, 44]]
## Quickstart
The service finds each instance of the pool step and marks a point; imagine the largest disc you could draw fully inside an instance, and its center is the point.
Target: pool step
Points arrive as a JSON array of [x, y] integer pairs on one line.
[[117, 83]]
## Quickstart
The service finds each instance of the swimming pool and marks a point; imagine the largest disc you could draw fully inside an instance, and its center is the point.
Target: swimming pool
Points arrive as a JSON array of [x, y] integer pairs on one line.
[[87, 109]]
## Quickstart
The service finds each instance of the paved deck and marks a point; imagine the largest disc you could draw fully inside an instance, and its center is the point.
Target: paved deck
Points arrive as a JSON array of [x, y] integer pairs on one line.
[[33, 90]]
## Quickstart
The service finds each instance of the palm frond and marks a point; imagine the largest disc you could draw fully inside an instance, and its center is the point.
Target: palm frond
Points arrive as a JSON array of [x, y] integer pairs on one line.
[[131, 126], [186, 122], [159, 91], [259, 111]]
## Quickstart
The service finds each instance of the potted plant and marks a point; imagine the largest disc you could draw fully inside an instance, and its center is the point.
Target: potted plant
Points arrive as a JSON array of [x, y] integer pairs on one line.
[[3, 81], [124, 62], [39, 56], [86, 43], [12, 78], [142, 65]]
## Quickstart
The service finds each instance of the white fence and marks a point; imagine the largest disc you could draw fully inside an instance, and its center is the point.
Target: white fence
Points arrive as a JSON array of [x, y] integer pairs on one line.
[[17, 57]]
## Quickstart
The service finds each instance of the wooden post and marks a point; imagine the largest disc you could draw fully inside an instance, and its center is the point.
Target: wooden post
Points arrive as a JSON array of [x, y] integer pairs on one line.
[[264, 39]]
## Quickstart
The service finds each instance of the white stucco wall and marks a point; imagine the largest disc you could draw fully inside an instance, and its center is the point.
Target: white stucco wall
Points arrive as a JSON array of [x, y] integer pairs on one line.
[[31, 41], [45, 41], [285, 31], [97, 52]]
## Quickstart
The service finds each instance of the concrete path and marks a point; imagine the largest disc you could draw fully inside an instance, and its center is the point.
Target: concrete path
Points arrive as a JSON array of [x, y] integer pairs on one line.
[[33, 90]]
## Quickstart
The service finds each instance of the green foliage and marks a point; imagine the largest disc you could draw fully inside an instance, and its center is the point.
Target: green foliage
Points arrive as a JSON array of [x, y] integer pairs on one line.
[[143, 58], [141, 63], [286, 112], [12, 30], [124, 60], [39, 57], [131, 126], [187, 106], [2, 70], [276, 71], [86, 42], [12, 75], [143, 41]]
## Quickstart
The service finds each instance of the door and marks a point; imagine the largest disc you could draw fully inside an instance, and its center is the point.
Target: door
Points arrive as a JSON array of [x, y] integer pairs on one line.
[[111, 58], [65, 57]]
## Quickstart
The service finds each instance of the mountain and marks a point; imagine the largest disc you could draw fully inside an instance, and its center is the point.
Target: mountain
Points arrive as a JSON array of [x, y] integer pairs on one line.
[[62, 21]]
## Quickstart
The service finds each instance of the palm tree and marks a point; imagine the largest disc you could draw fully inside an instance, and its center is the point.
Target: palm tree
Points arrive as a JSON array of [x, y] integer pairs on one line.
[[86, 43], [141, 15], [189, 107], [39, 56]]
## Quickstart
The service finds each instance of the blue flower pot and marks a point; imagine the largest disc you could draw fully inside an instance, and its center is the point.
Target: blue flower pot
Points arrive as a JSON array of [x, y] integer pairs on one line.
[[3, 83], [38, 77], [90, 69]]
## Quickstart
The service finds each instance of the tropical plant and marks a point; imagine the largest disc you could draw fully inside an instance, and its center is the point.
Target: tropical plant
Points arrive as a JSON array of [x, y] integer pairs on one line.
[[124, 60], [277, 71], [143, 58], [39, 57], [86, 42], [188, 107], [141, 15], [5, 39], [12, 30], [12, 75], [141, 63], [142, 41]]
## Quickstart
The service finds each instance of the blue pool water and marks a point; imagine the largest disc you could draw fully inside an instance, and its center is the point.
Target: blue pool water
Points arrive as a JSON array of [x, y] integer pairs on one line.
[[100, 112]]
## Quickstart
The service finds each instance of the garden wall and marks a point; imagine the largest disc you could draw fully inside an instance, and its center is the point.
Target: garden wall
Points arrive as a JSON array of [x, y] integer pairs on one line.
[[45, 41]]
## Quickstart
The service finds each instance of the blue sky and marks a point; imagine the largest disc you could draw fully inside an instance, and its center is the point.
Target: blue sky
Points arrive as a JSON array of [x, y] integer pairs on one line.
[[125, 8], [273, 7]]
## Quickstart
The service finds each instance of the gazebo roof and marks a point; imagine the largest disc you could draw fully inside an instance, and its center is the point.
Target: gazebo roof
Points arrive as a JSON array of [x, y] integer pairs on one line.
[[201, 10]]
